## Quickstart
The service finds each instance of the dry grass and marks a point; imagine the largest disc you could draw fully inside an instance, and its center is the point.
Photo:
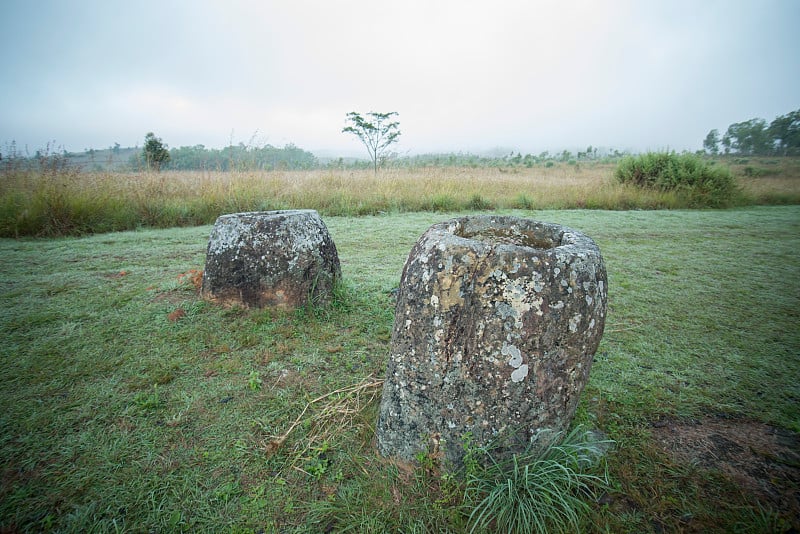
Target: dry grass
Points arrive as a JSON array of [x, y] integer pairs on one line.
[[64, 203], [329, 414], [766, 180], [772, 189], [439, 188]]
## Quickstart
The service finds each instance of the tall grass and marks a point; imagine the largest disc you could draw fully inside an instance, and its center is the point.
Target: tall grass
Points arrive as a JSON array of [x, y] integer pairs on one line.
[[67, 202], [537, 492]]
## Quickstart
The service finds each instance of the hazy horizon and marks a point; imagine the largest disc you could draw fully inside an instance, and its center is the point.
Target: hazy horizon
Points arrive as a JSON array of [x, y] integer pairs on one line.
[[464, 76]]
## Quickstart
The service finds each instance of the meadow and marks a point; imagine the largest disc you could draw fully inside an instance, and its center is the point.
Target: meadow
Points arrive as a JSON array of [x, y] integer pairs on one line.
[[131, 405], [54, 200]]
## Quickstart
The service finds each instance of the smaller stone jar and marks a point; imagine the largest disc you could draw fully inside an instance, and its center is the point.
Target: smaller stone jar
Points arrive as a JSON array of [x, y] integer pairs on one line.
[[277, 259]]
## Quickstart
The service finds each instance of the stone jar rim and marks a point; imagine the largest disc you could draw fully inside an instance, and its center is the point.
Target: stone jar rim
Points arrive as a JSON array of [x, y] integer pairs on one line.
[[510, 233], [267, 214]]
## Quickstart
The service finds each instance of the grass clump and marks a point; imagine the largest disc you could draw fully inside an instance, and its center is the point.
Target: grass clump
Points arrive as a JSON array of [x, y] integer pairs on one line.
[[533, 491], [702, 184]]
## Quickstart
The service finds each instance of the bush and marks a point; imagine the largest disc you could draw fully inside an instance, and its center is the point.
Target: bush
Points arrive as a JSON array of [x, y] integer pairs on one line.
[[688, 175]]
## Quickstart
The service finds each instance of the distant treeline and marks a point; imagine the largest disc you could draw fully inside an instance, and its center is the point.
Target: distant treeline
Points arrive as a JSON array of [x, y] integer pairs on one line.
[[238, 157], [512, 159], [755, 137], [198, 157], [242, 157]]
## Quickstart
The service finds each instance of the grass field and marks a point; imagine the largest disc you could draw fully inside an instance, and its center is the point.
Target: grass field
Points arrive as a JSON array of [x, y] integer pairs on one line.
[[128, 404], [57, 201]]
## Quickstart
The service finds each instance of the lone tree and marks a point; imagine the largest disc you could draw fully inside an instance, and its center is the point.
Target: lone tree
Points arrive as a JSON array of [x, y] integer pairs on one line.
[[155, 152], [377, 131]]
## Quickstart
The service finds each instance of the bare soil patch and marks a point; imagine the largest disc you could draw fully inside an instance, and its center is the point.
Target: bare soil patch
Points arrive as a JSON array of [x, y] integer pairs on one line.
[[763, 460]]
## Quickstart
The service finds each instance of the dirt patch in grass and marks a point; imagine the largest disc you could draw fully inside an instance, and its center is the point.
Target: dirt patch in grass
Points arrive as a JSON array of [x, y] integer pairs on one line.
[[763, 460]]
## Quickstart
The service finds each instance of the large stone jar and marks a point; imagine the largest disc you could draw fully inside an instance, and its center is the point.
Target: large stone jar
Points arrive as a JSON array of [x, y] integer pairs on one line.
[[497, 322], [277, 259]]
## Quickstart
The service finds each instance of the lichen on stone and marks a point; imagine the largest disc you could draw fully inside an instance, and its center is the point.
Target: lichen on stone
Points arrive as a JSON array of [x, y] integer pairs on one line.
[[281, 259], [494, 315]]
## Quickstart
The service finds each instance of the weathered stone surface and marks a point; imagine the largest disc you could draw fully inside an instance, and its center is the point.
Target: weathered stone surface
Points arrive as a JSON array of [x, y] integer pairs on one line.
[[496, 325], [278, 259]]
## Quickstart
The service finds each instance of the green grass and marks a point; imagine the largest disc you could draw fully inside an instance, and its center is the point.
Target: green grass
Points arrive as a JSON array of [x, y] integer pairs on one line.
[[542, 492], [114, 417]]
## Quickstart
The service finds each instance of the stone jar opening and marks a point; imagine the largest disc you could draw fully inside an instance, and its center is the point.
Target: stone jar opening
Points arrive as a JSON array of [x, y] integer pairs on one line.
[[521, 233]]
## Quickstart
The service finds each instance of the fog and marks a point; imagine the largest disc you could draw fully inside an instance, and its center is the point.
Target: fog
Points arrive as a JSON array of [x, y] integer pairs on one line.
[[463, 76]]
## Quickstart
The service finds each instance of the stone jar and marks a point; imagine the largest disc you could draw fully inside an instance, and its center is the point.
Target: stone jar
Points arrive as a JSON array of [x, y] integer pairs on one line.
[[277, 259], [497, 322]]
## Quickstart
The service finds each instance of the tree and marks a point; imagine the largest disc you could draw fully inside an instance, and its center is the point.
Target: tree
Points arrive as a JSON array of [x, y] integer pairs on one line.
[[785, 133], [155, 152], [726, 143], [711, 142], [748, 137], [377, 131]]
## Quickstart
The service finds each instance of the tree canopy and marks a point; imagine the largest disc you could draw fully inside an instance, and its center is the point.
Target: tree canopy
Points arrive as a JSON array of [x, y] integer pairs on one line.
[[377, 131], [711, 142], [155, 152], [785, 133], [755, 137], [241, 157]]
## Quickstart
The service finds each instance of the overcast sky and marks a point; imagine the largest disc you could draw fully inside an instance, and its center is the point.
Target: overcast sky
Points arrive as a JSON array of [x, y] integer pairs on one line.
[[463, 75]]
